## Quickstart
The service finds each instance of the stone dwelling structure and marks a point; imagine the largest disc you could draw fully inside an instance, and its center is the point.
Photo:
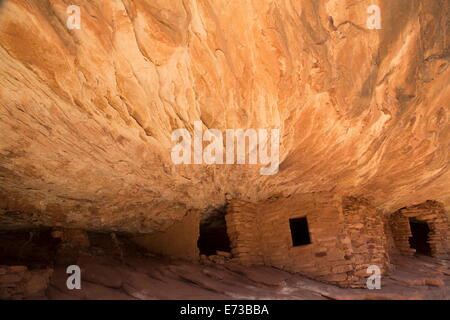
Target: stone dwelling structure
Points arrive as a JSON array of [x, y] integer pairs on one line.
[[321, 235], [315, 234], [428, 223]]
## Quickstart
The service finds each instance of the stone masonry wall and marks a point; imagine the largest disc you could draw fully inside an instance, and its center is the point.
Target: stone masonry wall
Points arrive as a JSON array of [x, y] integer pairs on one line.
[[243, 232], [390, 242], [366, 229], [260, 234], [327, 258], [17, 282], [431, 212]]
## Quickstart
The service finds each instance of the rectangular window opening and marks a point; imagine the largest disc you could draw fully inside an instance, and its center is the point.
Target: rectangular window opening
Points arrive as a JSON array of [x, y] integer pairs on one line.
[[299, 231]]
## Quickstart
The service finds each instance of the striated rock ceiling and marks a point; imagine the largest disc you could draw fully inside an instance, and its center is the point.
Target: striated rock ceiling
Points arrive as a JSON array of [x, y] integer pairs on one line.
[[86, 115]]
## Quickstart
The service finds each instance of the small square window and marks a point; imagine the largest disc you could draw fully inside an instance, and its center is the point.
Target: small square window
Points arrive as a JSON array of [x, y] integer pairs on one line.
[[299, 232]]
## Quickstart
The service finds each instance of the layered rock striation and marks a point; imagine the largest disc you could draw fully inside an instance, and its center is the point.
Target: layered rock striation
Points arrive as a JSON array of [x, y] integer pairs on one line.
[[86, 115]]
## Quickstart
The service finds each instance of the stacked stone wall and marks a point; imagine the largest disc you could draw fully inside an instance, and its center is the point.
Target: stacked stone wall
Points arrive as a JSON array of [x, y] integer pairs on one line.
[[340, 231], [17, 283], [244, 233], [431, 212]]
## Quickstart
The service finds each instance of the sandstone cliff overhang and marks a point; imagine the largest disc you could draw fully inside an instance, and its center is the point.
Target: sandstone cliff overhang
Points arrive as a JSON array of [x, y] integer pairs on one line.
[[86, 115]]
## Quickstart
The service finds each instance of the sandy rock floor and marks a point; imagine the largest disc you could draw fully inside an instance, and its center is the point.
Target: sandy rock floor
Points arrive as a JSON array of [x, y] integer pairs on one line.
[[156, 278]]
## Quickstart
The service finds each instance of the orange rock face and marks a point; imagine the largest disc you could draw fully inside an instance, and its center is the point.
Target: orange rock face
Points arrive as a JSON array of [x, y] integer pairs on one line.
[[86, 115]]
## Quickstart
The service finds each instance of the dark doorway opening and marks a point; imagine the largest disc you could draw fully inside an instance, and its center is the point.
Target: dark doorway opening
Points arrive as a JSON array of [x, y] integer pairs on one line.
[[213, 232], [419, 239], [299, 231]]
